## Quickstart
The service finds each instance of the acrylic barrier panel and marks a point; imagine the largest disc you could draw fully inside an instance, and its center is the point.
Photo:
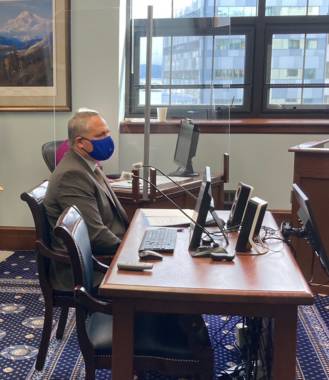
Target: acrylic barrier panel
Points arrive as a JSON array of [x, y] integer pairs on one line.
[[97, 73], [190, 78], [188, 81], [64, 65], [48, 72]]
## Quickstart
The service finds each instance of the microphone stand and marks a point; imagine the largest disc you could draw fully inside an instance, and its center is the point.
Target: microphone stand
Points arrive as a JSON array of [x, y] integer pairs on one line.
[[155, 188], [148, 80]]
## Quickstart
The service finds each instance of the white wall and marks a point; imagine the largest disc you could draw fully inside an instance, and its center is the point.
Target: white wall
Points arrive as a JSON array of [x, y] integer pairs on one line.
[[95, 84], [262, 161], [97, 77]]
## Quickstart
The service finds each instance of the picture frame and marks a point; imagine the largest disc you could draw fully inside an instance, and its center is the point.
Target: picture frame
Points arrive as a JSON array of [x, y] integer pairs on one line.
[[35, 62]]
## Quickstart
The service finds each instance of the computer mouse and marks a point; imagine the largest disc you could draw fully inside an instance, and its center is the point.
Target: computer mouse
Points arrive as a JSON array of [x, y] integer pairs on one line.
[[149, 255]]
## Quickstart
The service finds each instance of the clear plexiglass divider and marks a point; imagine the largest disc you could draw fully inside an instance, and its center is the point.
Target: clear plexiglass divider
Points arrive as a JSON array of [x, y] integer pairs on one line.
[[93, 55]]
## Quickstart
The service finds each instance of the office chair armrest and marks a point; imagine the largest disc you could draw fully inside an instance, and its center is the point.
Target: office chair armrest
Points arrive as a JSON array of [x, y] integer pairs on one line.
[[99, 265], [91, 303], [61, 257]]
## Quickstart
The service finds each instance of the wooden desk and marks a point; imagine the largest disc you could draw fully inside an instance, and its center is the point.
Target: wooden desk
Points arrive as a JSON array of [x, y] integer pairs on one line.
[[131, 199], [270, 285]]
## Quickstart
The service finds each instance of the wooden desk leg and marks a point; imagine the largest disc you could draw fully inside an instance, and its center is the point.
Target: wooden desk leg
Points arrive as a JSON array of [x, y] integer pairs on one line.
[[284, 344], [123, 341]]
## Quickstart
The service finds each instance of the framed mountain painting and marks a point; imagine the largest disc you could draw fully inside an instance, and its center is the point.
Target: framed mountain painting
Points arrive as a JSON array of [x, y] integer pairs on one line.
[[35, 55]]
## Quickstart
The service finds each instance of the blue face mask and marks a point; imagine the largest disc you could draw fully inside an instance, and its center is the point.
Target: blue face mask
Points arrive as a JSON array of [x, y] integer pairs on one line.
[[102, 149]]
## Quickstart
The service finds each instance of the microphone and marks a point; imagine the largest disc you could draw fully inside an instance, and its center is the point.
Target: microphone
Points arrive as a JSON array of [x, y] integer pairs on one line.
[[204, 230], [139, 165]]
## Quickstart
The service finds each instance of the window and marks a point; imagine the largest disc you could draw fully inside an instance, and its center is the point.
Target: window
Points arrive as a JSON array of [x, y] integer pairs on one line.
[[296, 7], [296, 71], [194, 70], [260, 57]]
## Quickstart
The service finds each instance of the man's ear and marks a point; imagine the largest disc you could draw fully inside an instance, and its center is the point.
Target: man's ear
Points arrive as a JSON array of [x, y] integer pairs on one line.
[[83, 144], [78, 142]]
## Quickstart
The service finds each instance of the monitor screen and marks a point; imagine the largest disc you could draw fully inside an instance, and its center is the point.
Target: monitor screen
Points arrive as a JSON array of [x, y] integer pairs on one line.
[[305, 214], [202, 207], [186, 146]]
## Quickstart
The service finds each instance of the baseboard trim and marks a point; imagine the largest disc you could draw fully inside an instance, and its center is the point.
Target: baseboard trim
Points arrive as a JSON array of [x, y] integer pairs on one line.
[[17, 238]]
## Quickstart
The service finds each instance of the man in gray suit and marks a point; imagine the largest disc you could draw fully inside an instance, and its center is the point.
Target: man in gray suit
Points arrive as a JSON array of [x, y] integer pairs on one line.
[[78, 180]]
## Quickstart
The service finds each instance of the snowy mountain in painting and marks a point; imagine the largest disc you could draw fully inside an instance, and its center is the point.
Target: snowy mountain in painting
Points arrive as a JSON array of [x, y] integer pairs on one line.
[[27, 26]]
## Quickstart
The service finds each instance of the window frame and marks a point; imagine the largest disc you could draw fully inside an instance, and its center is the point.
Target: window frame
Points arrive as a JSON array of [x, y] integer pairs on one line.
[[280, 28], [259, 29], [186, 27]]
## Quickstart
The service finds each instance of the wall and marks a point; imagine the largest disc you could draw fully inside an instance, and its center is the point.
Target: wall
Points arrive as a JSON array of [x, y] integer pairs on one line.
[[95, 84], [262, 161]]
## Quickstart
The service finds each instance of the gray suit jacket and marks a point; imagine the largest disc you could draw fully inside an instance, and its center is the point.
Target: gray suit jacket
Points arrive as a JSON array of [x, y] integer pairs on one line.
[[74, 183]]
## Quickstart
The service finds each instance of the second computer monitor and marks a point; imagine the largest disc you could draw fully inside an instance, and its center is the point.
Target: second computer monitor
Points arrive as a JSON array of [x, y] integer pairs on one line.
[[203, 205], [186, 146], [306, 217]]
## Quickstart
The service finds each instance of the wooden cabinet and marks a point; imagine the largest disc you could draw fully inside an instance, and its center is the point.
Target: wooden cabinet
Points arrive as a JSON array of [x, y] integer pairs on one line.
[[311, 173]]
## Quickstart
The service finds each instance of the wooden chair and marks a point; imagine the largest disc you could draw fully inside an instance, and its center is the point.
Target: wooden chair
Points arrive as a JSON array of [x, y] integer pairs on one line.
[[176, 345], [55, 293]]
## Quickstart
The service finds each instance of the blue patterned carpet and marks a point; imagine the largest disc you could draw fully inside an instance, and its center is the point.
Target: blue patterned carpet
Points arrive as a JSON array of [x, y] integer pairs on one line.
[[21, 318]]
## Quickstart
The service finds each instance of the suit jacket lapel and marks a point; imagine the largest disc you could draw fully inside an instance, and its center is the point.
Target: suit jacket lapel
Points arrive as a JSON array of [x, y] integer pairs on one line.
[[105, 186], [119, 207], [113, 198]]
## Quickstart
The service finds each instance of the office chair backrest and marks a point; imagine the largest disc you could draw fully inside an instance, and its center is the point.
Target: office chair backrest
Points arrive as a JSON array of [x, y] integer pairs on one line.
[[48, 151], [34, 198], [72, 229], [54, 292]]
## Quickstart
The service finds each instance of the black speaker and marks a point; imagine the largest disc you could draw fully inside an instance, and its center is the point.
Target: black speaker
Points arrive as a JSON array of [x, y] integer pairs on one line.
[[241, 198], [251, 223]]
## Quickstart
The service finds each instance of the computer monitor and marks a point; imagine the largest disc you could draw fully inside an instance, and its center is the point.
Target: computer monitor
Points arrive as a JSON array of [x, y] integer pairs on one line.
[[305, 214], [251, 224], [203, 205], [187, 142]]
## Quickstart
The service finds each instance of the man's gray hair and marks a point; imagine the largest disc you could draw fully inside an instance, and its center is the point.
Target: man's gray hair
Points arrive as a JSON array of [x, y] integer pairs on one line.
[[78, 124]]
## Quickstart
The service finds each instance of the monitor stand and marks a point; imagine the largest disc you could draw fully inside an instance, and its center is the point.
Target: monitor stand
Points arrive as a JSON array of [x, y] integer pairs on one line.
[[184, 172]]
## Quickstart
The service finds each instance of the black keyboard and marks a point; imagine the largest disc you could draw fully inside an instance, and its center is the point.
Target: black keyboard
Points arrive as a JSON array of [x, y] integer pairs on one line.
[[159, 239]]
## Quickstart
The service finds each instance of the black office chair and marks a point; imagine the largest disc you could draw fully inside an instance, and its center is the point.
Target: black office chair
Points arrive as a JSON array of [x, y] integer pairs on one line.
[[176, 345], [51, 283], [48, 151]]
